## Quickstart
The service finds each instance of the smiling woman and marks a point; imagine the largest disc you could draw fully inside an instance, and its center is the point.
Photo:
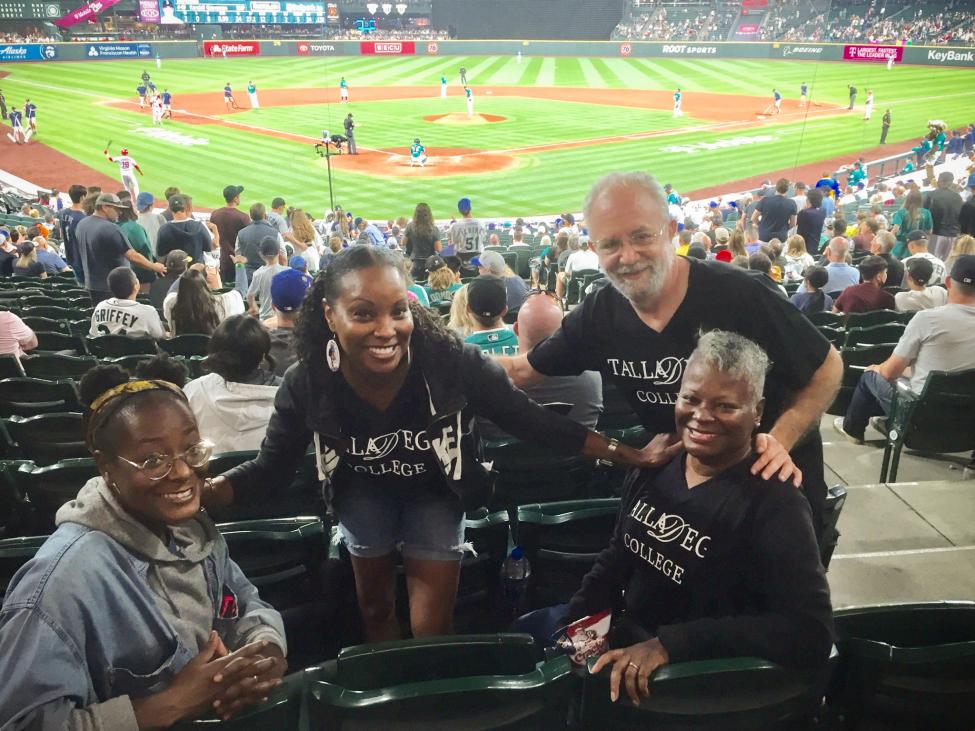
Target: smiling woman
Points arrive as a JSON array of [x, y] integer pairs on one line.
[[707, 561], [132, 616], [388, 396]]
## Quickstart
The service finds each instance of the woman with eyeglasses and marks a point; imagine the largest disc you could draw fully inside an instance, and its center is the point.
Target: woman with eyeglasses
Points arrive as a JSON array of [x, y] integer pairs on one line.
[[132, 616], [387, 396]]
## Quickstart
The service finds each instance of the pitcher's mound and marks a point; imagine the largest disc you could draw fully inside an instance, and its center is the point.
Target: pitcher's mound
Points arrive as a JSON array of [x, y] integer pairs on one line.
[[462, 118]]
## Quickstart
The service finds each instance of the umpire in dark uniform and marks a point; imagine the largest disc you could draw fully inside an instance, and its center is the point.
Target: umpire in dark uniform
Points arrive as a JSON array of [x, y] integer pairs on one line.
[[885, 127], [349, 127], [3, 106]]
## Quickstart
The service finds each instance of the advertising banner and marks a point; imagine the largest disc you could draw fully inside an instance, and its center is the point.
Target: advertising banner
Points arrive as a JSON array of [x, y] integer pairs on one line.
[[149, 12], [387, 48], [945, 56], [85, 12], [317, 48], [27, 52], [879, 54], [118, 50], [748, 29], [231, 48]]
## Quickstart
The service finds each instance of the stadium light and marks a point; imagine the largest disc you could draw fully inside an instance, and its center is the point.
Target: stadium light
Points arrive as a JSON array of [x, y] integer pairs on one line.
[[401, 8], [387, 8], [372, 8]]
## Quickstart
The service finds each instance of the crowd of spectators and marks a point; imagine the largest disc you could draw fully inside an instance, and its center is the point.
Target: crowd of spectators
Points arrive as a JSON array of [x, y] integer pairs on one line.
[[28, 35], [708, 21], [942, 28]]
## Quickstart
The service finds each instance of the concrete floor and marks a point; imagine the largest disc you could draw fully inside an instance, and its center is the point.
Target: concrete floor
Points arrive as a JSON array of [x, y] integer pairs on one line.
[[913, 540]]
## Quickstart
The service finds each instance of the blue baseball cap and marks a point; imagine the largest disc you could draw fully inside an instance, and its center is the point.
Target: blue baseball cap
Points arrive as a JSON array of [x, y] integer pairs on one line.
[[464, 205], [298, 262], [143, 201], [288, 289]]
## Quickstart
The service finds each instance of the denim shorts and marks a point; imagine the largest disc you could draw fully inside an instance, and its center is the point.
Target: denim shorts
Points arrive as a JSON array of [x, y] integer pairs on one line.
[[376, 520]]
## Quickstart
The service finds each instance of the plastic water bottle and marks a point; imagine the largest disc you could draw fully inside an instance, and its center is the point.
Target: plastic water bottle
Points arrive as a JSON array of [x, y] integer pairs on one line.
[[514, 580]]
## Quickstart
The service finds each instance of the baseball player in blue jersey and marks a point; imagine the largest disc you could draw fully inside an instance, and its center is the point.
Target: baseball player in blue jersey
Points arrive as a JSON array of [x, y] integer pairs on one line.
[[30, 114], [16, 134], [470, 101], [803, 94], [443, 86], [167, 100], [141, 91], [343, 90], [417, 154], [228, 97], [677, 101]]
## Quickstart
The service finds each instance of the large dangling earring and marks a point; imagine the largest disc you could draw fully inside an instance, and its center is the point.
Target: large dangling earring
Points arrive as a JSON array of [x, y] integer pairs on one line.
[[332, 354]]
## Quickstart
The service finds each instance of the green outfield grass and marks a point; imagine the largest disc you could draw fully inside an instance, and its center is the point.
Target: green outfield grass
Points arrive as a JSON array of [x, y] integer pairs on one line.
[[72, 120]]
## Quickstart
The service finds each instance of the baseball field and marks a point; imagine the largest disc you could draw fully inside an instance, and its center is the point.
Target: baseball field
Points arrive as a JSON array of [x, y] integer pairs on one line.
[[542, 129]]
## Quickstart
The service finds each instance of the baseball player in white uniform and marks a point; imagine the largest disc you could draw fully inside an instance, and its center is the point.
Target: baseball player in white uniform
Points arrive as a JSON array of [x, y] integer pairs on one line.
[[470, 101], [127, 168], [678, 98], [157, 109], [868, 106]]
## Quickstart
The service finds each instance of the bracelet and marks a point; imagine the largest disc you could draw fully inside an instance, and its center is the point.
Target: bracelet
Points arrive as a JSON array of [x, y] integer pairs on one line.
[[612, 448]]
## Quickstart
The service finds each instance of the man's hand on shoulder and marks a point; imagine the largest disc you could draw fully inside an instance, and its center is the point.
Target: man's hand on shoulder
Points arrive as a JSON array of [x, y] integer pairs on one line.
[[774, 460]]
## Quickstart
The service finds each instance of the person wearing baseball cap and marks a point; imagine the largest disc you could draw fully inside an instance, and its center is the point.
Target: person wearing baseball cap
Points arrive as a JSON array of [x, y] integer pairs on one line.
[[937, 339], [288, 290], [229, 221], [103, 247], [442, 281], [491, 263], [468, 235], [487, 304], [917, 246]]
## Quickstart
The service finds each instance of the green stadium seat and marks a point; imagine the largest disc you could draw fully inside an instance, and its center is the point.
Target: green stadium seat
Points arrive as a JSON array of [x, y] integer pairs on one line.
[[48, 438], [875, 317], [471, 682], [510, 260], [114, 346], [573, 285], [15, 511], [562, 541], [709, 695], [46, 324], [187, 345], [59, 342], [32, 396], [128, 362], [55, 366], [10, 366], [874, 335], [825, 318], [526, 474], [50, 487], [855, 362], [43, 300], [829, 535], [55, 312], [906, 666], [835, 335], [939, 420]]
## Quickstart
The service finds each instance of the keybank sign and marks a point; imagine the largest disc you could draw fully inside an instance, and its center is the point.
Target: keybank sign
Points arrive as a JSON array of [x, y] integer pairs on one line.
[[942, 56]]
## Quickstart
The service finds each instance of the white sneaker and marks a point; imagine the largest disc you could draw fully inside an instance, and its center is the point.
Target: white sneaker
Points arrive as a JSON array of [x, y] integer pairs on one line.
[[838, 426]]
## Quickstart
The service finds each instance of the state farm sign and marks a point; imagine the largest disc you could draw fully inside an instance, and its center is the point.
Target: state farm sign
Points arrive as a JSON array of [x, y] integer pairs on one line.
[[227, 48], [387, 48]]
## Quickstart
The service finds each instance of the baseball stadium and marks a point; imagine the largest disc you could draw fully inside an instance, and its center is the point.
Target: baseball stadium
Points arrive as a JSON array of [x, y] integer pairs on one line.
[[537, 365]]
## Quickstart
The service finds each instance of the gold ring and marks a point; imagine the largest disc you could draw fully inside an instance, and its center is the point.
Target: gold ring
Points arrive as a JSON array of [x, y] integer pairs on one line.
[[634, 665]]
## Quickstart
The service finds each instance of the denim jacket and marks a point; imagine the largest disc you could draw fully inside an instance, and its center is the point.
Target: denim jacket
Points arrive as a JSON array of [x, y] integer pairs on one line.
[[81, 632]]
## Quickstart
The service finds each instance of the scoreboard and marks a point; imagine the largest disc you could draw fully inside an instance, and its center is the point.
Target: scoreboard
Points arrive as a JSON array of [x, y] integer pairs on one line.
[[242, 11], [17, 10]]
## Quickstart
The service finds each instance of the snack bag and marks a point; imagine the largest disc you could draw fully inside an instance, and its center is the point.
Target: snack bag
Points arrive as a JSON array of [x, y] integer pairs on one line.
[[586, 637]]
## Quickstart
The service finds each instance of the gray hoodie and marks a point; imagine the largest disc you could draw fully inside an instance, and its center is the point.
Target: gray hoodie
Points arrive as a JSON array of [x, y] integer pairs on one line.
[[106, 611]]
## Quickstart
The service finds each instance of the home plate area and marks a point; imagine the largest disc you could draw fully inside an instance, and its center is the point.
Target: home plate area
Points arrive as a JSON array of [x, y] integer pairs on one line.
[[441, 161]]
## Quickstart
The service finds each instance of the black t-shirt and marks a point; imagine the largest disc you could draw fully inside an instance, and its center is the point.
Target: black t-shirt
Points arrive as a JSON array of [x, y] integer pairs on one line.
[[388, 449], [421, 246], [605, 334], [776, 211], [729, 567], [34, 269], [68, 220], [101, 248], [809, 225]]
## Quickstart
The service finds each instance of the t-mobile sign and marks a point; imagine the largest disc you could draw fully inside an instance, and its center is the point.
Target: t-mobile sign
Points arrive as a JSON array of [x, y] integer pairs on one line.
[[880, 54], [149, 11]]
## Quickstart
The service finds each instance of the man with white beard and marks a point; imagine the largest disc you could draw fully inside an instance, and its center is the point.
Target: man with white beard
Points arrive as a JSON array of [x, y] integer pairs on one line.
[[640, 331]]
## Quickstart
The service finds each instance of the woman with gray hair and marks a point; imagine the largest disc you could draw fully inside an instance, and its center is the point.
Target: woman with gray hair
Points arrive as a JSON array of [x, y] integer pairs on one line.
[[707, 560]]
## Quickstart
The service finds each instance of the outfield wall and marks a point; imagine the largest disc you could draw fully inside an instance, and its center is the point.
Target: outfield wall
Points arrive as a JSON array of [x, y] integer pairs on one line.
[[914, 55]]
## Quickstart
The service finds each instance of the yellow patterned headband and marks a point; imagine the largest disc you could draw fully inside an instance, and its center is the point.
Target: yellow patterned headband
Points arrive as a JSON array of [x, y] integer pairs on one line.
[[131, 387]]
